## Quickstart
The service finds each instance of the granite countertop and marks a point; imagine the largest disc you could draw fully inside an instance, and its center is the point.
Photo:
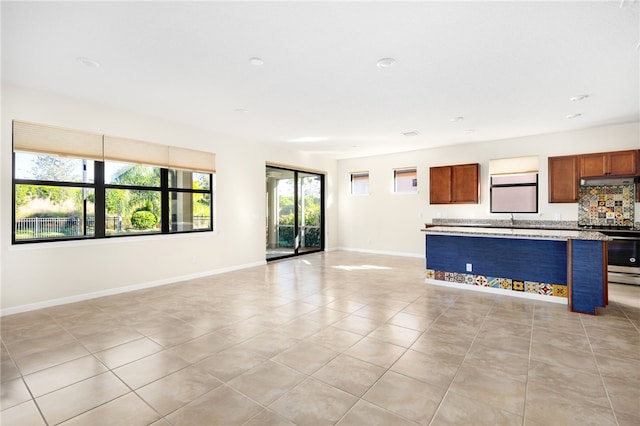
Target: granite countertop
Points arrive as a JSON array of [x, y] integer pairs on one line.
[[538, 234]]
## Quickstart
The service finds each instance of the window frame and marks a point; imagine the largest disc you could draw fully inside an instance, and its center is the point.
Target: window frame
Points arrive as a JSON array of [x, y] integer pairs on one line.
[[357, 175], [405, 170], [99, 189], [534, 184]]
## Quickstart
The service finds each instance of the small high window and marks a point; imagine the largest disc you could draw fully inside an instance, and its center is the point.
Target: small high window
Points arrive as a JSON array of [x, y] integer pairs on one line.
[[360, 183], [405, 180]]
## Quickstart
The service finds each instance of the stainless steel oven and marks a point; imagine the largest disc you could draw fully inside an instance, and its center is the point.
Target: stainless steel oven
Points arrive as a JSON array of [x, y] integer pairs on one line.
[[624, 257]]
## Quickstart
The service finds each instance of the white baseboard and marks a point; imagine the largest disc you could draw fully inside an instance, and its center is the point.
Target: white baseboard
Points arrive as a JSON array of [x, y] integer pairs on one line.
[[126, 289], [382, 252]]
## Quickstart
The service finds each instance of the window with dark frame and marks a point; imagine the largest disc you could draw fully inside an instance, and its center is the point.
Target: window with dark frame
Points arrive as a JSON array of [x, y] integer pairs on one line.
[[405, 180], [360, 183], [514, 193], [64, 190]]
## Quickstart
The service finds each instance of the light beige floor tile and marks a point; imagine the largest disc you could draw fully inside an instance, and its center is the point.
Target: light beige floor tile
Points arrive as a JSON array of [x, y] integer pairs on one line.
[[622, 347], [149, 369], [375, 313], [350, 374], [266, 382], [202, 347], [497, 360], [52, 356], [29, 331], [26, 347], [399, 336], [611, 365], [586, 387], [24, 414], [268, 418], [176, 334], [552, 354], [269, 343], [358, 324], [128, 410], [437, 370], [109, 339], [627, 420], [68, 402], [221, 406], [335, 338], [376, 352], [436, 345], [177, 389], [59, 376], [407, 397], [300, 328], [365, 413], [345, 305], [128, 352], [314, 403], [414, 322], [545, 406], [462, 410], [231, 362], [306, 357], [624, 394], [502, 392], [8, 369], [13, 392]]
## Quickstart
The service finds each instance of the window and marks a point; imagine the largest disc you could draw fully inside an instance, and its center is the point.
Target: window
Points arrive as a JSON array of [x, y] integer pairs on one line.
[[514, 193], [405, 180], [65, 188], [360, 183], [514, 185]]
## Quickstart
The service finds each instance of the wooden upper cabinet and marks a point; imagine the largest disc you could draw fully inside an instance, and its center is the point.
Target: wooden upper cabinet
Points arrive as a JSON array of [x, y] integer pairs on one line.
[[564, 179], [465, 183], [454, 184], [616, 163], [440, 185]]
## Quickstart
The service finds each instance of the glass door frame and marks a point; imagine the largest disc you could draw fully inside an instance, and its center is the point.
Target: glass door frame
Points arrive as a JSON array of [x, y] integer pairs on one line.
[[272, 253]]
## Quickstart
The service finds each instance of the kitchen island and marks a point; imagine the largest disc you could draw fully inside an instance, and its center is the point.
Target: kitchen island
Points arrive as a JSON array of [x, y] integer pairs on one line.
[[562, 266]]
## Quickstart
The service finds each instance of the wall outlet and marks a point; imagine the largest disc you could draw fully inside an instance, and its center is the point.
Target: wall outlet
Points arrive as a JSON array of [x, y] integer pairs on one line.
[[469, 267]]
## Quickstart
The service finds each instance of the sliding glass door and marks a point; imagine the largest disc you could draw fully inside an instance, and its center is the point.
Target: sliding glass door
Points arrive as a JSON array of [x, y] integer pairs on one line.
[[295, 212]]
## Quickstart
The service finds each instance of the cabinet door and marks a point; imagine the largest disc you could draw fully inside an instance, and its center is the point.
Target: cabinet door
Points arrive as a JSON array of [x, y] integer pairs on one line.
[[592, 165], [622, 163], [464, 181], [440, 185], [564, 180]]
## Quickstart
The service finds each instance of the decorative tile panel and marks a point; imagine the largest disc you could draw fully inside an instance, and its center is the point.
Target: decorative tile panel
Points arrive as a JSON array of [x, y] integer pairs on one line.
[[507, 284], [607, 205]]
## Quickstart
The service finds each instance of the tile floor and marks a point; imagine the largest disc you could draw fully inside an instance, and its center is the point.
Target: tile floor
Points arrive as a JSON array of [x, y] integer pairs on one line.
[[330, 338]]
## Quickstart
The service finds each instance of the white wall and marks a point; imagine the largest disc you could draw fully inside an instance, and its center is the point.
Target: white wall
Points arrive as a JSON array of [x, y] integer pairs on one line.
[[35, 275], [390, 223]]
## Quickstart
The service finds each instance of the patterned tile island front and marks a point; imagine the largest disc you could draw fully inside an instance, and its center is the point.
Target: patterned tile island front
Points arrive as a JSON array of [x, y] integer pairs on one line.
[[553, 265]]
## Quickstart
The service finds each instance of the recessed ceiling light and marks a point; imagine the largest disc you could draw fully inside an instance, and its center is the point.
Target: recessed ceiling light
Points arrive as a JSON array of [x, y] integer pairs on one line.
[[578, 98], [469, 131], [256, 61], [576, 115], [411, 133], [87, 62], [241, 110], [455, 119], [308, 139], [385, 62]]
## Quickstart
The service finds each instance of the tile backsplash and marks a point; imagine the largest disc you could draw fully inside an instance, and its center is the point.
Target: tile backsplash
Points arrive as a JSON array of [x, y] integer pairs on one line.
[[606, 205]]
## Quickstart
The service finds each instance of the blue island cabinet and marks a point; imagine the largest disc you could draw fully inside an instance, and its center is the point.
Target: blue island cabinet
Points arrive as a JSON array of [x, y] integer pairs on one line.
[[550, 267]]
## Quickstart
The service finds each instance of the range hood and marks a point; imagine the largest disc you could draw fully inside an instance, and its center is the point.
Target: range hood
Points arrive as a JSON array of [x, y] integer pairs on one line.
[[596, 181]]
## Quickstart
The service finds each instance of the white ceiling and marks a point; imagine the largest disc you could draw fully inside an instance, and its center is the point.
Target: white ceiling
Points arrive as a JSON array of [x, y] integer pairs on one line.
[[509, 68]]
